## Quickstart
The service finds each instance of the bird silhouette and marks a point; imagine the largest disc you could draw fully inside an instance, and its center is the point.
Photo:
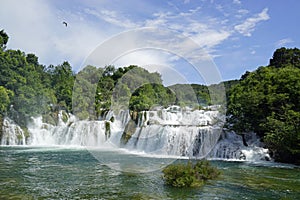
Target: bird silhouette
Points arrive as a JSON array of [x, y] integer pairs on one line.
[[65, 23]]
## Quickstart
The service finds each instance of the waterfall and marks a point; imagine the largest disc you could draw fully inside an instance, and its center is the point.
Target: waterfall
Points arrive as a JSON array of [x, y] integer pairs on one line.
[[71, 132], [174, 140], [231, 146], [12, 134], [173, 131], [178, 132]]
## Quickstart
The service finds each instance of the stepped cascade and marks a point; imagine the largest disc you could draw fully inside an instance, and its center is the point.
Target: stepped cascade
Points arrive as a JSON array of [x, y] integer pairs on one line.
[[171, 132]]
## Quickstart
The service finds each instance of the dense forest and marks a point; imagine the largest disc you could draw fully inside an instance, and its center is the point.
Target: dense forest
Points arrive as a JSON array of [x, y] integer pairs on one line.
[[265, 101]]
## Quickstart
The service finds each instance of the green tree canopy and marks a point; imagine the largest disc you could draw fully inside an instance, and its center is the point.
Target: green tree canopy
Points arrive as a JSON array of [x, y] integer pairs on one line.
[[3, 39]]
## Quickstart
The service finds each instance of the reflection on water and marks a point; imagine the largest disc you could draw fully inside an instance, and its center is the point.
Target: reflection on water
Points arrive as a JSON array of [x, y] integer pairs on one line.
[[66, 173]]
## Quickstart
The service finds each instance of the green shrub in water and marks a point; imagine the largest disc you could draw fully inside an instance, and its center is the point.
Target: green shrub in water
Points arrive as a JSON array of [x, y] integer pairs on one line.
[[189, 175]]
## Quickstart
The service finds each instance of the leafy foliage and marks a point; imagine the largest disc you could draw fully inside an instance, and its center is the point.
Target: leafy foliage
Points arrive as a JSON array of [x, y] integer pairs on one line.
[[84, 101], [5, 96], [191, 95], [267, 101], [3, 39], [149, 95], [189, 175], [283, 57]]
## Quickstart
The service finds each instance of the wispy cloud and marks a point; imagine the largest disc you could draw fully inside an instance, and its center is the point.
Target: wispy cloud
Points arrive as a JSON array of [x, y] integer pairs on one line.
[[284, 42], [241, 13], [248, 26], [207, 33], [237, 2], [211, 38], [113, 18]]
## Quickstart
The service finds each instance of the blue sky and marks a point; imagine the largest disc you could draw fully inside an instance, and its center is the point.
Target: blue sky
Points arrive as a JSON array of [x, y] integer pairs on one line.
[[237, 35]]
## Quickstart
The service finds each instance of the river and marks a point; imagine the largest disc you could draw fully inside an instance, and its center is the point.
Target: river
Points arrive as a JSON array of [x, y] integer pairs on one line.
[[28, 172]]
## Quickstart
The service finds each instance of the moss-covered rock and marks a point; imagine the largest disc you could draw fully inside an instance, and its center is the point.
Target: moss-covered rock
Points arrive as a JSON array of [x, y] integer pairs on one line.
[[112, 119], [107, 130], [26, 133], [51, 118], [128, 131], [65, 116]]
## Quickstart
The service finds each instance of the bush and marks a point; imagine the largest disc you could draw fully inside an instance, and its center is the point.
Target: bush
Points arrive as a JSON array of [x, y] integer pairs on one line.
[[189, 175]]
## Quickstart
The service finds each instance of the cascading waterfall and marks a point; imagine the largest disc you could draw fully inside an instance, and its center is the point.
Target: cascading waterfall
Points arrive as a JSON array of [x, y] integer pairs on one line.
[[231, 146], [12, 134], [174, 131], [171, 131], [71, 132]]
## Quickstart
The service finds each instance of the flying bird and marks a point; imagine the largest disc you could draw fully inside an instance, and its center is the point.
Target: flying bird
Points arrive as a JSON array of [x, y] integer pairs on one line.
[[65, 23]]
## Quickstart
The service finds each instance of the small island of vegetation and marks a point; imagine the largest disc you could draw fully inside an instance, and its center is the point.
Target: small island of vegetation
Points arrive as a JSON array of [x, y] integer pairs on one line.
[[189, 174]]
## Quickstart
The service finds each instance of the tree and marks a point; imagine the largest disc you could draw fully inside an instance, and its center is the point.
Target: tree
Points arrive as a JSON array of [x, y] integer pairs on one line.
[[283, 57], [62, 78], [85, 91], [5, 99], [283, 136], [150, 95], [3, 39]]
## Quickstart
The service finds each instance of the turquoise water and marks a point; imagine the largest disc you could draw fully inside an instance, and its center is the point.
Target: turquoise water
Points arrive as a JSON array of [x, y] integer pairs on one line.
[[66, 173]]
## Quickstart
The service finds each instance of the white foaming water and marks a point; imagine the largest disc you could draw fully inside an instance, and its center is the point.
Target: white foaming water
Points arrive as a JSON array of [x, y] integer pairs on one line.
[[166, 132], [71, 132], [174, 115], [12, 134], [231, 147], [188, 141]]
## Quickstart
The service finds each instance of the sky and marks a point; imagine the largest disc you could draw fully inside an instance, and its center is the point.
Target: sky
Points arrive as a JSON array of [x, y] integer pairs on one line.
[[225, 38]]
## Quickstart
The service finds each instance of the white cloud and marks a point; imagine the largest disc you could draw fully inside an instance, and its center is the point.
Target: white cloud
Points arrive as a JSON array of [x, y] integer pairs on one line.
[[284, 42], [211, 38], [113, 18], [237, 2], [248, 26], [154, 61], [241, 13], [206, 34], [143, 57]]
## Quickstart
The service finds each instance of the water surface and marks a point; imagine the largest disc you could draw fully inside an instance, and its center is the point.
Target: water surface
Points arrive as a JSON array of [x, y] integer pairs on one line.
[[73, 173]]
